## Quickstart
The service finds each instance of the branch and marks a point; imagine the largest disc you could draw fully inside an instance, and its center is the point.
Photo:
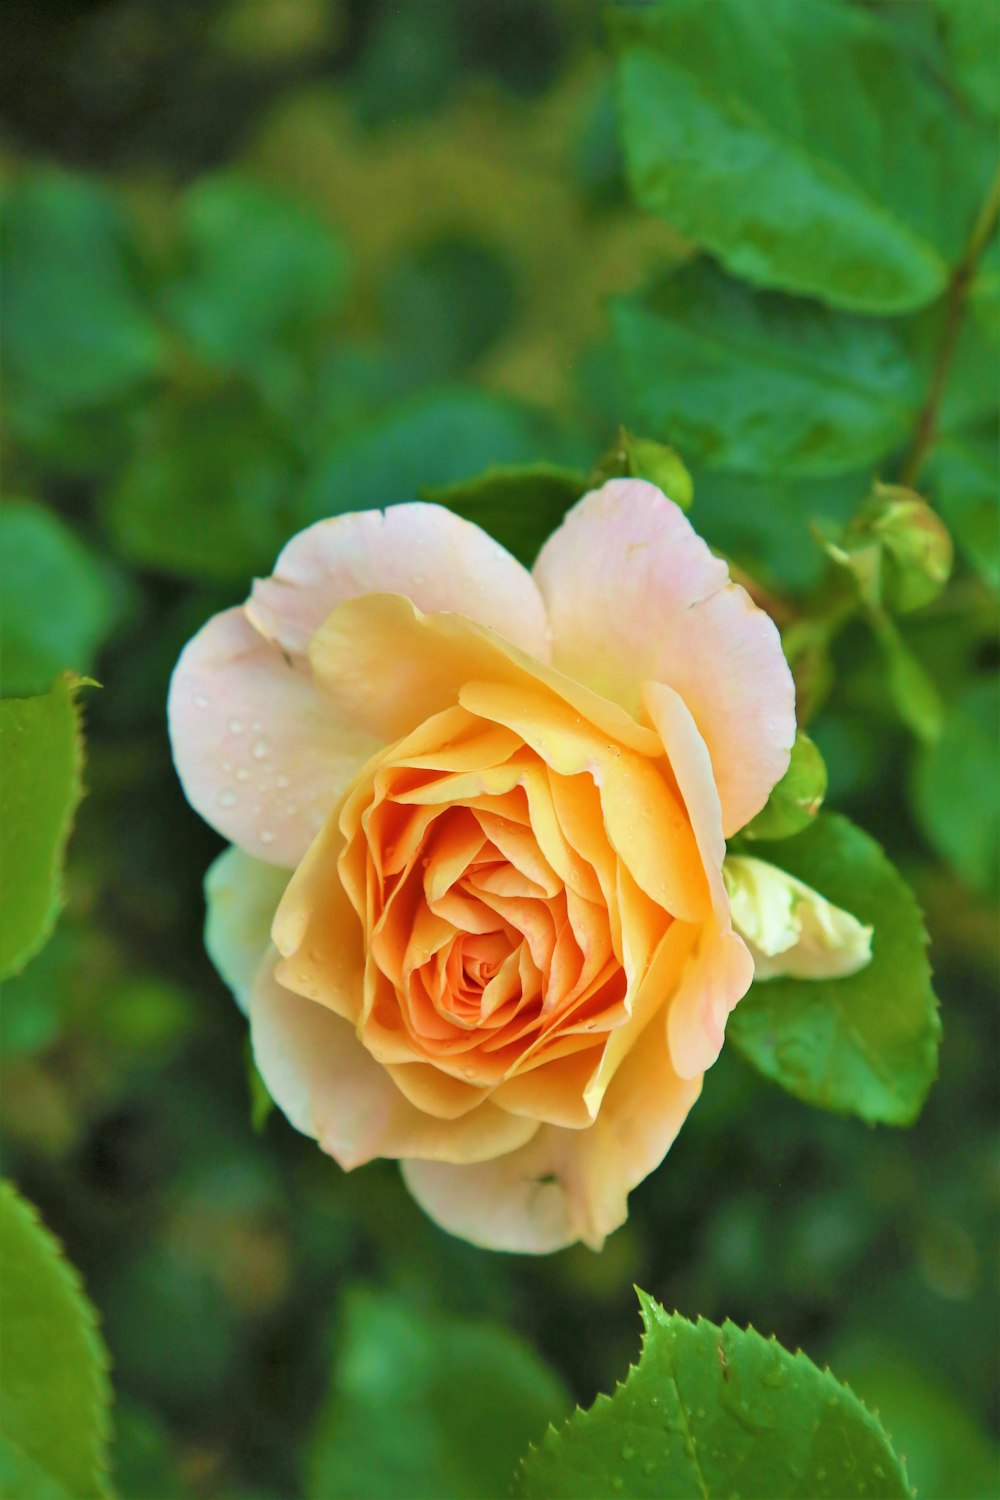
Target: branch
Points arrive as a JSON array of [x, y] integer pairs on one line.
[[958, 288]]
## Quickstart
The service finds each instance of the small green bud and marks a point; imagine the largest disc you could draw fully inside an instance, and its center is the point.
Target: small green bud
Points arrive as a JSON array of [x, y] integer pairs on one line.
[[632, 457], [798, 796], [898, 549], [917, 551]]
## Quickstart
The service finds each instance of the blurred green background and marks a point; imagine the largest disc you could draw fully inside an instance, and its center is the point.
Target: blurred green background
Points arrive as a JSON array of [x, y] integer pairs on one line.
[[269, 259]]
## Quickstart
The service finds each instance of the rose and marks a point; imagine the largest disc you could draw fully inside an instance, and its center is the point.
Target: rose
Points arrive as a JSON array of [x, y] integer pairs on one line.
[[482, 813]]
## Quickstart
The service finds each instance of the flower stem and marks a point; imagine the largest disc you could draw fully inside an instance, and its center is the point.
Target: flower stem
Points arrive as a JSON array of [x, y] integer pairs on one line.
[[958, 288]]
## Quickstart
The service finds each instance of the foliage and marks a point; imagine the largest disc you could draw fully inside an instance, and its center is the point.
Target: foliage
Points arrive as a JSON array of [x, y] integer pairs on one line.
[[709, 1411], [41, 754], [867, 1043], [268, 264], [54, 1382]]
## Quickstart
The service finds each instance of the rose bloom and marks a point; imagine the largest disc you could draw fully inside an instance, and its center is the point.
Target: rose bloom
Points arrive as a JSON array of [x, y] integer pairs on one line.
[[474, 906]]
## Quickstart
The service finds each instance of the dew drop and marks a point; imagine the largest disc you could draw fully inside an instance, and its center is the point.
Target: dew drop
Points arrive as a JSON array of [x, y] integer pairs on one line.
[[281, 781], [228, 799], [291, 808], [236, 726], [242, 774], [259, 751], [201, 701], [266, 836], [256, 727], [617, 1482], [628, 1452], [227, 766]]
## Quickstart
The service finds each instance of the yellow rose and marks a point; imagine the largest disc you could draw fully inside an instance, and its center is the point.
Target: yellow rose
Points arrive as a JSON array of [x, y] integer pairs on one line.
[[475, 909]]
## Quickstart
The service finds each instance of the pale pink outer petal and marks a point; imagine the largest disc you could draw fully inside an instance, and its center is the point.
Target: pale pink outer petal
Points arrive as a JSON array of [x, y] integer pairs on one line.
[[566, 1185], [262, 756], [433, 557], [241, 898], [721, 970], [635, 595], [332, 1089]]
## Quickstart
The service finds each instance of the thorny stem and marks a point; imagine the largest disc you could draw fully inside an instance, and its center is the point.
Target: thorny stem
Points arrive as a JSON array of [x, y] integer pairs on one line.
[[958, 288]]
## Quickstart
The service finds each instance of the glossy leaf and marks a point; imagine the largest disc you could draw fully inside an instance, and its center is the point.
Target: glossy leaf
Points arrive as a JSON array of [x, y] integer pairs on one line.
[[865, 1045], [754, 381], [41, 560], [947, 1453], [427, 1407], [709, 1413], [520, 504], [41, 755], [846, 191], [54, 1388]]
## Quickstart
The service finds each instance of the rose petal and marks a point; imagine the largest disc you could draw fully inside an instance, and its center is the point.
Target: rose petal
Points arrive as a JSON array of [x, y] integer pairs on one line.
[[261, 755], [425, 552], [642, 819], [634, 595], [565, 1185], [387, 667], [720, 975], [717, 977], [330, 1088], [241, 898]]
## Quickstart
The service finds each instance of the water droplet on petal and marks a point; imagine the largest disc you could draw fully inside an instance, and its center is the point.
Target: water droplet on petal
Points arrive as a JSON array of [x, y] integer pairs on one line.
[[201, 701], [281, 781], [266, 836], [242, 774], [236, 726], [259, 751], [228, 799]]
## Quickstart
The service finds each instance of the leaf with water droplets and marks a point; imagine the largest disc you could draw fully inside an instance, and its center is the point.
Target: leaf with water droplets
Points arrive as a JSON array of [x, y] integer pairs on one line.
[[753, 1420]]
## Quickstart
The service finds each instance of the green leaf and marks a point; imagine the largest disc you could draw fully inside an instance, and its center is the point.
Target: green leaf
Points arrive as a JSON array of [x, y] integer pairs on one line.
[[54, 1388], [867, 1044], [766, 523], [972, 39], [41, 560], [422, 444], [917, 700], [754, 381], [208, 491], [846, 191], [261, 267], [41, 755], [518, 504], [963, 477], [74, 328], [947, 1454], [984, 293], [956, 790], [427, 1407], [710, 1413], [798, 796]]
